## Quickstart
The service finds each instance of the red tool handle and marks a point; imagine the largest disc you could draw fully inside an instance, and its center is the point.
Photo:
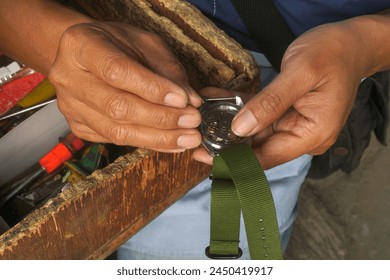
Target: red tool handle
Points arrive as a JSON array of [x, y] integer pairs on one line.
[[62, 152]]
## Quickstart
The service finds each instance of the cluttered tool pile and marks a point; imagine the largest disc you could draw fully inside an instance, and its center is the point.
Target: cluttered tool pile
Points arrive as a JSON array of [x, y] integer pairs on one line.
[[33, 171]]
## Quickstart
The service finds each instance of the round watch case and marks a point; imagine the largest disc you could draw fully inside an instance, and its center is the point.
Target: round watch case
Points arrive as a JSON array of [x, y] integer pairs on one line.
[[217, 116]]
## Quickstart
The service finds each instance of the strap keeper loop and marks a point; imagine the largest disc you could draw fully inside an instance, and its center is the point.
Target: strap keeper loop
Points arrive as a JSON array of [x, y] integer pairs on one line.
[[222, 257]]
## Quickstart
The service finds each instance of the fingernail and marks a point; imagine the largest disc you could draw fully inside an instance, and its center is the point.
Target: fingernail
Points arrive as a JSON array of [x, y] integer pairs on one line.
[[188, 141], [175, 99], [244, 123], [196, 100], [189, 121]]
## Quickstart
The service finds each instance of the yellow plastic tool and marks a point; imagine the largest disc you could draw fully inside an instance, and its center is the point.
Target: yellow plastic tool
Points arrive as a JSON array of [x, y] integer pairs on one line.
[[44, 91]]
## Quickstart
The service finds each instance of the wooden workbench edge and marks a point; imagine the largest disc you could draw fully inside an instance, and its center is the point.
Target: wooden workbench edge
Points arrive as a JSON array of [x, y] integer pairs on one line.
[[98, 214]]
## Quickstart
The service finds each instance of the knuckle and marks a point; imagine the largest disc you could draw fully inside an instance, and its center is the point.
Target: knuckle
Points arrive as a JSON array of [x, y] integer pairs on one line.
[[73, 36], [113, 68], [164, 119], [70, 35], [162, 141], [119, 135], [118, 107], [56, 76], [271, 104], [152, 87], [75, 31]]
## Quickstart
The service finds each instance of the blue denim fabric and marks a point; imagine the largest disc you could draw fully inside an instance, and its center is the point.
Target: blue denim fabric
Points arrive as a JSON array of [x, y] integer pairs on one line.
[[183, 230]]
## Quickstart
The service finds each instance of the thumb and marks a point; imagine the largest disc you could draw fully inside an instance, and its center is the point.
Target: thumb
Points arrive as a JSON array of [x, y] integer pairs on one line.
[[269, 104]]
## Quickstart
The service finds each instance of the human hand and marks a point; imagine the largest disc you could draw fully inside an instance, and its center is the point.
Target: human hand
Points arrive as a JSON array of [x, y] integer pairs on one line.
[[116, 83], [303, 110]]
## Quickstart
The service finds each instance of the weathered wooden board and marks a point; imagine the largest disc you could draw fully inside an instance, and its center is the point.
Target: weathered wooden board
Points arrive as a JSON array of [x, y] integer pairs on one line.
[[94, 217]]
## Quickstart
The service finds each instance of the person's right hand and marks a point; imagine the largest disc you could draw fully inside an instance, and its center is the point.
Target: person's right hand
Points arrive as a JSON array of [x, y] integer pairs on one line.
[[119, 84]]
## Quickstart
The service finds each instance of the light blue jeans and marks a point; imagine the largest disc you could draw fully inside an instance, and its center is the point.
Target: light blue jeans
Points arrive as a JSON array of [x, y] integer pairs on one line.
[[183, 230]]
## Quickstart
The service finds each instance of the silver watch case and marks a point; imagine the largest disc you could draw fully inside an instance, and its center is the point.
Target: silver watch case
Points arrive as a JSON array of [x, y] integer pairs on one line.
[[217, 116]]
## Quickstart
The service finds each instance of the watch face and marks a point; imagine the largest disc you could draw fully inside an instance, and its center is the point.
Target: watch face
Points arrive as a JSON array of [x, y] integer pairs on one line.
[[217, 116]]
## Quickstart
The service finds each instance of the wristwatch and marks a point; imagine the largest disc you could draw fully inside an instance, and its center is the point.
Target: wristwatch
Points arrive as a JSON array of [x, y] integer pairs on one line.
[[238, 186], [217, 116]]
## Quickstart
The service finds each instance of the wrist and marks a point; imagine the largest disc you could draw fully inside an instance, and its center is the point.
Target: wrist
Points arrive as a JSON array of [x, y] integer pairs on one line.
[[374, 41], [58, 19], [30, 30]]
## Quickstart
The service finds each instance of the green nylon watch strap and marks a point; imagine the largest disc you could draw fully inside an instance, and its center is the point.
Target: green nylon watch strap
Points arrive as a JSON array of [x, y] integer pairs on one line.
[[239, 182], [225, 221]]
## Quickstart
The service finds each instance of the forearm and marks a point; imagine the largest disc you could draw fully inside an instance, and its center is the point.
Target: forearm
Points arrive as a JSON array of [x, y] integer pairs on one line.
[[30, 30]]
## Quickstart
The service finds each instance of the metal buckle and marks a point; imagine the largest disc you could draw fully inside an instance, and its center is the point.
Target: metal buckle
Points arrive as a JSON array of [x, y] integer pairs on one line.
[[223, 257]]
